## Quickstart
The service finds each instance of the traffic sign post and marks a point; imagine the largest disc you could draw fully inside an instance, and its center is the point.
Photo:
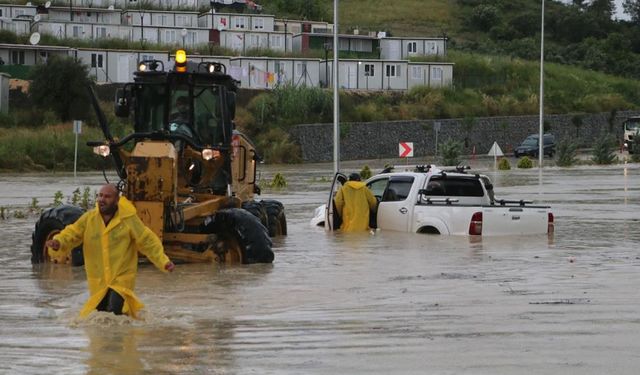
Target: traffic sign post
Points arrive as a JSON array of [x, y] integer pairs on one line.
[[436, 127], [77, 129]]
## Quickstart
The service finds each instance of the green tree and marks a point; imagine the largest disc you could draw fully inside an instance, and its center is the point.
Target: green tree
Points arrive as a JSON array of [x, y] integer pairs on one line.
[[61, 85], [579, 3], [603, 8], [485, 16]]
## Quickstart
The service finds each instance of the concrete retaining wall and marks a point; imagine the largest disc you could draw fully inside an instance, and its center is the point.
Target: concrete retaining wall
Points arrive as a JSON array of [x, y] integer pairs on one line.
[[377, 140]]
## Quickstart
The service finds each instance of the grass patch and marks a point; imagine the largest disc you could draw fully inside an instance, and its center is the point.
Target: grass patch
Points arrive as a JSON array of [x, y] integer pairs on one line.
[[47, 148], [412, 17]]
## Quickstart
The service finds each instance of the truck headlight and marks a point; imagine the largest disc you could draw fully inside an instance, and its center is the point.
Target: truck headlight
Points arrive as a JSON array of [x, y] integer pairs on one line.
[[102, 150], [208, 154]]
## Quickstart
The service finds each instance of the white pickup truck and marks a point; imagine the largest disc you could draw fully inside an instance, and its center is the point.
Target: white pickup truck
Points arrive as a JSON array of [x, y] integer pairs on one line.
[[434, 201]]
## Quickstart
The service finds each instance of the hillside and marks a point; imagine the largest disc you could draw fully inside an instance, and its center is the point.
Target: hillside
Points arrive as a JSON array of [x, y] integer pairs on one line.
[[585, 36]]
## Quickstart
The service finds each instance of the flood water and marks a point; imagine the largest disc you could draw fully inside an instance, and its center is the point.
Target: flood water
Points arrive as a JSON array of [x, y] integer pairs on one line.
[[352, 304]]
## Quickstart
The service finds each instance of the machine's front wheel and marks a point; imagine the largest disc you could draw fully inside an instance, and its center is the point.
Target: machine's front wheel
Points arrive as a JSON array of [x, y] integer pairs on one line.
[[51, 222], [244, 239], [258, 210]]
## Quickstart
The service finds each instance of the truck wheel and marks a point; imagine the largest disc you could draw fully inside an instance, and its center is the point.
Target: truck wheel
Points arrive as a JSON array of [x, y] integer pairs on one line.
[[277, 219], [237, 227], [51, 222], [258, 210]]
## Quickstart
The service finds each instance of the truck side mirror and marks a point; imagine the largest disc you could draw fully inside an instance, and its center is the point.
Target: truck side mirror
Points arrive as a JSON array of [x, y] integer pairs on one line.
[[121, 108]]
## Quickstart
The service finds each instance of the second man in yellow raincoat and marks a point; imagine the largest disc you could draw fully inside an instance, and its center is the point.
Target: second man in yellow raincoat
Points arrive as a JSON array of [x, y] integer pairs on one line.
[[354, 202]]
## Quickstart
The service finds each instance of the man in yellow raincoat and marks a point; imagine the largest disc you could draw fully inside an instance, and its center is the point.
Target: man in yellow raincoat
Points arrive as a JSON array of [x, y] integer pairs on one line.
[[111, 234], [354, 202]]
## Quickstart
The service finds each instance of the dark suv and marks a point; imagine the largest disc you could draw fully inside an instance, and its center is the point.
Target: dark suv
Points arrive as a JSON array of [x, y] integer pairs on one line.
[[530, 146]]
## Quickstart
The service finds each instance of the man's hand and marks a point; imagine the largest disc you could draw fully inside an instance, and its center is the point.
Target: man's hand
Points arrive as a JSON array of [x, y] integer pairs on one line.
[[169, 266], [54, 244]]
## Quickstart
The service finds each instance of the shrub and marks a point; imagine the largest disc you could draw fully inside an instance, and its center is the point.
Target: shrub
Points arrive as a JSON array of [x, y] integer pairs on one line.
[[484, 16], [276, 147], [566, 154], [365, 172], [450, 151], [504, 164], [278, 181], [603, 151], [7, 121], [525, 163]]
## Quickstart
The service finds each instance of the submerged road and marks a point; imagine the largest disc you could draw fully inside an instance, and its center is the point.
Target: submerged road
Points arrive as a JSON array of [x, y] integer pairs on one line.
[[352, 304]]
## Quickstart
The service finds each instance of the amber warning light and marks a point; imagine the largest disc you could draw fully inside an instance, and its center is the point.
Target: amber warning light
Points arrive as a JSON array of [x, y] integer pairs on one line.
[[181, 61]]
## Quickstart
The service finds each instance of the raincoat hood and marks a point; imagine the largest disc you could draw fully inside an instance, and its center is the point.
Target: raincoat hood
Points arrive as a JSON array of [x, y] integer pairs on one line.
[[355, 185], [125, 208]]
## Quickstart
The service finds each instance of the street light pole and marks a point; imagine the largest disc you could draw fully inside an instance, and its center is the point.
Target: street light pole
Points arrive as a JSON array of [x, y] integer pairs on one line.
[[541, 136], [336, 98], [183, 33], [326, 63], [141, 23]]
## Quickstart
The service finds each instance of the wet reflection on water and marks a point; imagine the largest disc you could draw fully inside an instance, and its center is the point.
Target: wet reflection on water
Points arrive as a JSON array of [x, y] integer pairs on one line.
[[336, 303]]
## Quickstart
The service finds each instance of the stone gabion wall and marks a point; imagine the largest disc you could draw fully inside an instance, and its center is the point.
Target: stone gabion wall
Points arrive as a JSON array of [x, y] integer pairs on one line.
[[376, 140]]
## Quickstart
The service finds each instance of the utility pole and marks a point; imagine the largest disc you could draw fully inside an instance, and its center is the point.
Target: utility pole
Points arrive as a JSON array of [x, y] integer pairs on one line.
[[336, 97]]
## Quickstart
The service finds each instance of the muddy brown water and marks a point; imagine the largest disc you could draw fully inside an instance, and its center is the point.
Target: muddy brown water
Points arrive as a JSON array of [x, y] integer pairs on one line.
[[352, 304]]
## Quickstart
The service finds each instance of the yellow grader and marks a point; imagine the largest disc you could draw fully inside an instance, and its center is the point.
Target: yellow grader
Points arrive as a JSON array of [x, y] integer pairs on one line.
[[190, 175]]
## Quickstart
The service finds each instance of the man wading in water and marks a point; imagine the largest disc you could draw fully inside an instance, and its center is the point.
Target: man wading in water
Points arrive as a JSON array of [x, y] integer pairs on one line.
[[111, 235]]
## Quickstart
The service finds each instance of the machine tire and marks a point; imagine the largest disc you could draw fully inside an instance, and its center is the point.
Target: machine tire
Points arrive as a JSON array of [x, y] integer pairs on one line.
[[246, 229], [52, 221], [258, 210], [277, 219]]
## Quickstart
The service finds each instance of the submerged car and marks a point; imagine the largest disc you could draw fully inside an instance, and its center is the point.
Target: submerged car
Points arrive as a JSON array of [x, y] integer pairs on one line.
[[631, 128], [530, 146], [430, 200]]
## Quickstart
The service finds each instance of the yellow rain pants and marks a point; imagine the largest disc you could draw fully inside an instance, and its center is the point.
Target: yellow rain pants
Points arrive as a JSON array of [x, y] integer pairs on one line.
[[354, 202], [111, 253]]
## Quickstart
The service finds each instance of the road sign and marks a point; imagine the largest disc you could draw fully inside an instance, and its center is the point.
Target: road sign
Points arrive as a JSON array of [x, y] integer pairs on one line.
[[405, 149], [495, 150], [77, 127]]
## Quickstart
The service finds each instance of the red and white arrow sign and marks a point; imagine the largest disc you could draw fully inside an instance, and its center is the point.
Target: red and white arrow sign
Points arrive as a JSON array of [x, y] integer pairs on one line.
[[406, 149]]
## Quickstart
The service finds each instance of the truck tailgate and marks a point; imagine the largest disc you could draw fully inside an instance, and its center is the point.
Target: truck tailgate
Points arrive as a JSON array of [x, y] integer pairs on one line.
[[514, 220]]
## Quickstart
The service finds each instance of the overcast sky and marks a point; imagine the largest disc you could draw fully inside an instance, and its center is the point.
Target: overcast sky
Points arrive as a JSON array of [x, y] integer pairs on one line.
[[619, 10]]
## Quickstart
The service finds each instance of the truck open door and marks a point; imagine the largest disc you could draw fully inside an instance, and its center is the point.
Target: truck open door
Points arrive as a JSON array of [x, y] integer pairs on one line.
[[333, 220]]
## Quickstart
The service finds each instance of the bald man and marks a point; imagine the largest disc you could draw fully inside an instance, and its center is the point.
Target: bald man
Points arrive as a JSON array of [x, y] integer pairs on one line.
[[111, 235]]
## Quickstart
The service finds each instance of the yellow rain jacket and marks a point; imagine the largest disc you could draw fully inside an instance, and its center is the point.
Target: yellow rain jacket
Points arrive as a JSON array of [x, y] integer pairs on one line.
[[354, 202], [111, 253]]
